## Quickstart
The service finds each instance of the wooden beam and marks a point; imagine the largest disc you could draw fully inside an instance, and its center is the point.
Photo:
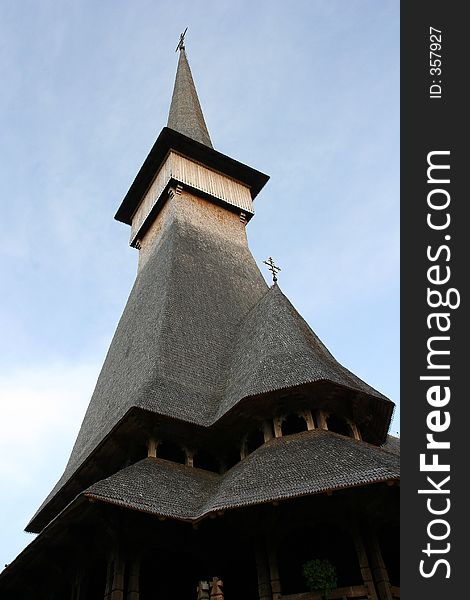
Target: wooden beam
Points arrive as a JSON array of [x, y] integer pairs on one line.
[[189, 457], [274, 574], [277, 427], [321, 419], [307, 414], [262, 569], [133, 590], [152, 447], [364, 565], [267, 431], [355, 430], [115, 577]]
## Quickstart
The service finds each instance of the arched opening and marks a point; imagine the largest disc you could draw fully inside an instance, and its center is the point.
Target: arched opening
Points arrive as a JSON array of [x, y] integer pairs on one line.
[[268, 430], [338, 425], [389, 543], [293, 424], [165, 574], [206, 460], [322, 542], [232, 457], [254, 440], [171, 451]]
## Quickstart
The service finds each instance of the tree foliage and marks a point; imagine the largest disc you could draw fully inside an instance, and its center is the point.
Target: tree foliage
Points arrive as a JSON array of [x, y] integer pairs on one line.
[[320, 575]]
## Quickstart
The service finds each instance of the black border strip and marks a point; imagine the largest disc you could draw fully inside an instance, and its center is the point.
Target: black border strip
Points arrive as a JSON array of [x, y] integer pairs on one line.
[[432, 120]]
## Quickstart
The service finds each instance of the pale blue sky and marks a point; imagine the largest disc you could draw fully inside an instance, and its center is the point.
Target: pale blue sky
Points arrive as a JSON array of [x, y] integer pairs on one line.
[[306, 91]]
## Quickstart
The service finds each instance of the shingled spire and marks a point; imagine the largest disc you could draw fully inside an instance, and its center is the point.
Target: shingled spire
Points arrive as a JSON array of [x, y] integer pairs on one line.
[[185, 114]]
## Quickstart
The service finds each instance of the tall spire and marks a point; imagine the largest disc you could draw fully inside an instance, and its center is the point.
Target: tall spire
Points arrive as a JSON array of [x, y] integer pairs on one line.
[[185, 111]]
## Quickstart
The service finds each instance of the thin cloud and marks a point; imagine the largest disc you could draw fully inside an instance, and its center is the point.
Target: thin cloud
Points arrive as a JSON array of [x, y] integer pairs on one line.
[[42, 408]]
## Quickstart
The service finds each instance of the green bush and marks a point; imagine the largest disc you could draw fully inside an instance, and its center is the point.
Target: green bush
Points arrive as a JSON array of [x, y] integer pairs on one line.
[[320, 575]]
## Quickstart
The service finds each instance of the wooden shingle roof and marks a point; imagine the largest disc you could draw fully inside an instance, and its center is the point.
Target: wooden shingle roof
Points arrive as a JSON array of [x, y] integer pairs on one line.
[[201, 331]]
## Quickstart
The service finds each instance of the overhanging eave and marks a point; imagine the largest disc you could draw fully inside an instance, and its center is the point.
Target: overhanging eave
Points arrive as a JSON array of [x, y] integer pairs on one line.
[[173, 140]]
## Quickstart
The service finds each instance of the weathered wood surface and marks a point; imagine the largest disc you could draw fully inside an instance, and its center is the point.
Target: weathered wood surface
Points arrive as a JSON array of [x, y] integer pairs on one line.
[[197, 176]]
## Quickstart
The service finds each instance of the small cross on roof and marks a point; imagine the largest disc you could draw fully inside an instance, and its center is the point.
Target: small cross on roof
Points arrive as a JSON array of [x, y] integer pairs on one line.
[[272, 267]]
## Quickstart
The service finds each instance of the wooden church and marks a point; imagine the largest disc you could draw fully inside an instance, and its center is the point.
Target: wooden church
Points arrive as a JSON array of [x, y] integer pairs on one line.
[[224, 450]]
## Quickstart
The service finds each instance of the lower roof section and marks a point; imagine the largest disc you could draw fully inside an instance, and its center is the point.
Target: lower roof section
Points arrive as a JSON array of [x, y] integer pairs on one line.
[[307, 463], [285, 468], [196, 361]]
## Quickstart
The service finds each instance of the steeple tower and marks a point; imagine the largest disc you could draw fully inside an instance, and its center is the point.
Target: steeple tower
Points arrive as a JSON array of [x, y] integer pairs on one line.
[[183, 155]]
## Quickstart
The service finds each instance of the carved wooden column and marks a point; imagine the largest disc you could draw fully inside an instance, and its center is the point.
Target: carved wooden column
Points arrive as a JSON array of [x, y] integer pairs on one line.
[[117, 592], [274, 574], [364, 565], [243, 449], [133, 587], [152, 446], [189, 454], [267, 431], [115, 579], [379, 569], [109, 579], [355, 430], [321, 419], [307, 414], [264, 577]]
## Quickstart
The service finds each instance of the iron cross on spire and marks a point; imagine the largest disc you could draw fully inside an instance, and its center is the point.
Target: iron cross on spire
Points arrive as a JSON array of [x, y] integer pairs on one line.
[[180, 45], [272, 267]]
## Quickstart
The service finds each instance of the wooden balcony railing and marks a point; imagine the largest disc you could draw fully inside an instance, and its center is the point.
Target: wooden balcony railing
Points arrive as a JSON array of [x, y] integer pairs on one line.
[[344, 593]]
